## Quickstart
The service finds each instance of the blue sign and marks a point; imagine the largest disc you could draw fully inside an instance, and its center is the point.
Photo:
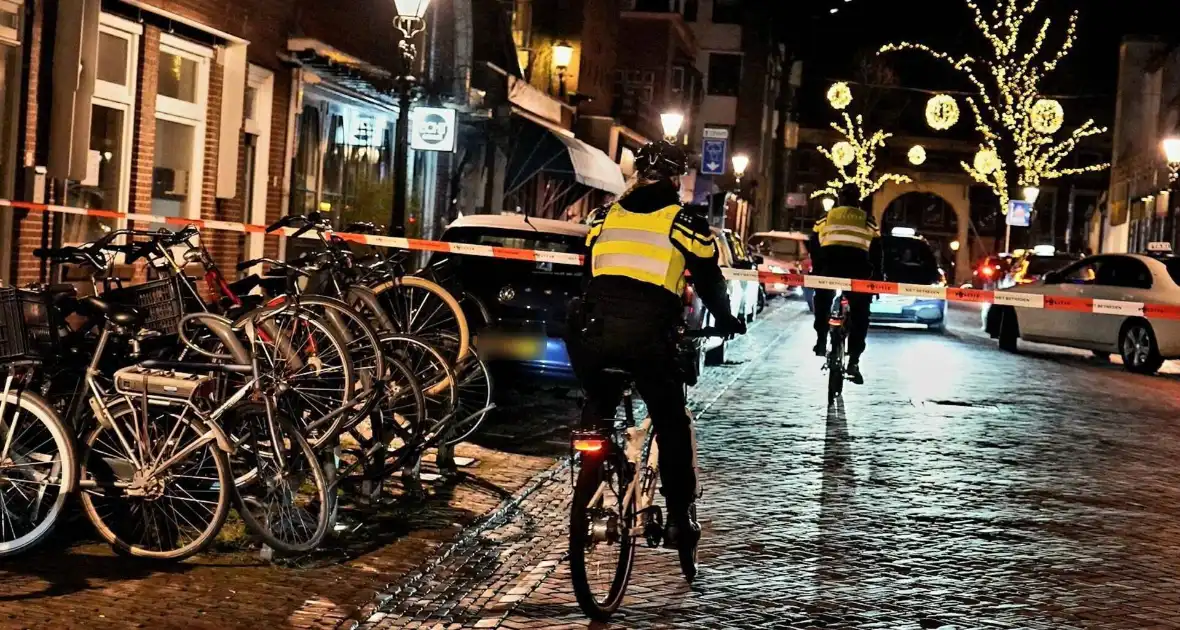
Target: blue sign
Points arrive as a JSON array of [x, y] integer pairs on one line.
[[1019, 213], [714, 155]]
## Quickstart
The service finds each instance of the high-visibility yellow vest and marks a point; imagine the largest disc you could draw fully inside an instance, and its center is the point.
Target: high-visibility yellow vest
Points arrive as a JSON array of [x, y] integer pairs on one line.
[[847, 226], [649, 247]]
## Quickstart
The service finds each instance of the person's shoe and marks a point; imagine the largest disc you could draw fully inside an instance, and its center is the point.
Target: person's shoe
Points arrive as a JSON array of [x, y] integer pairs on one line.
[[853, 373], [820, 349], [681, 532]]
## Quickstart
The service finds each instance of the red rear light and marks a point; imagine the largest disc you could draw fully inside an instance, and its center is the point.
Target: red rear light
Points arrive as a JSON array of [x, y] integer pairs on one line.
[[988, 271], [589, 445], [689, 295]]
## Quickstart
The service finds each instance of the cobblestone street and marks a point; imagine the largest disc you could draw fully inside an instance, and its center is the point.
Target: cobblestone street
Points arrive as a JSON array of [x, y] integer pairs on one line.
[[960, 488]]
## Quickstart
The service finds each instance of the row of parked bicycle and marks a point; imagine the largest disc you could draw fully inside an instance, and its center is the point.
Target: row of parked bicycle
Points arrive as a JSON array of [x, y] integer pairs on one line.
[[162, 404]]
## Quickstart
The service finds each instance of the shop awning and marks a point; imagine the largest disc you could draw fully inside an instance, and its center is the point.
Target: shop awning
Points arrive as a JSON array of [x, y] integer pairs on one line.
[[344, 71], [540, 146]]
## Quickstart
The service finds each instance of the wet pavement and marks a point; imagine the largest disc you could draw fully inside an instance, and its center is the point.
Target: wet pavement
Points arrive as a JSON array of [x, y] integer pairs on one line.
[[960, 488]]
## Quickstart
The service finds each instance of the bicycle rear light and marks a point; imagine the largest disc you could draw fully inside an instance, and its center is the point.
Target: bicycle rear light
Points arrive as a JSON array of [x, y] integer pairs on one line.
[[589, 444]]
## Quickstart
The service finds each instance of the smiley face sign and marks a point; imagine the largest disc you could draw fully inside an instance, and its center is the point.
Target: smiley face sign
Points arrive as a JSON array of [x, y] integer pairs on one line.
[[432, 129]]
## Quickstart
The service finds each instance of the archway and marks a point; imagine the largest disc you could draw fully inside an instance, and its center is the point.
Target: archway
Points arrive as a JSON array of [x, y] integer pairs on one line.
[[952, 194], [931, 216]]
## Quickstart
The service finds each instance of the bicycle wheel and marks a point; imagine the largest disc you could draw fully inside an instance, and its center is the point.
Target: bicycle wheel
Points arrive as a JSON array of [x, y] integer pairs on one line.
[[287, 504], [364, 347], [426, 310], [430, 367], [602, 549], [474, 391], [142, 510], [309, 362], [688, 557], [836, 367], [37, 471]]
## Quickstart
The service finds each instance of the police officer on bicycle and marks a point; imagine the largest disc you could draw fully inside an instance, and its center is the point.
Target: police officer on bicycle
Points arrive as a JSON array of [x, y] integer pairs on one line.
[[638, 250], [846, 244]]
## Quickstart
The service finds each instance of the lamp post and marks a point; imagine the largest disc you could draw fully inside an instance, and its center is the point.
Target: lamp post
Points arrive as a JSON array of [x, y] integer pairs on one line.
[[828, 203], [1171, 148], [410, 22], [671, 122], [740, 162], [563, 54]]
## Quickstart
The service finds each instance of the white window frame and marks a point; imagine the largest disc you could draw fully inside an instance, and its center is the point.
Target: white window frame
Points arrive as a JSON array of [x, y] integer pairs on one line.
[[258, 124], [189, 114]]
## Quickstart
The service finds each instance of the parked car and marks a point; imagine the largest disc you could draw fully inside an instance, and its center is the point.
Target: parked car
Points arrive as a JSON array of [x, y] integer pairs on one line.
[[1030, 266], [517, 309], [781, 252], [1143, 343], [990, 270], [743, 299], [746, 293], [908, 259]]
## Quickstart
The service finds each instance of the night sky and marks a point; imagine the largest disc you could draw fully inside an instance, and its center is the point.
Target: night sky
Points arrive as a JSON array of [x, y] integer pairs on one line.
[[840, 43]]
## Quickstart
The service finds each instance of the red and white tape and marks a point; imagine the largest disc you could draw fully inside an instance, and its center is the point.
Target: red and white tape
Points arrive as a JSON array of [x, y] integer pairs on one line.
[[1006, 298]]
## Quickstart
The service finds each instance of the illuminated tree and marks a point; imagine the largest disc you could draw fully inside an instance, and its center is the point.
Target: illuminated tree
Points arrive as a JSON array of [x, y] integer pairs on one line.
[[859, 150], [1017, 122]]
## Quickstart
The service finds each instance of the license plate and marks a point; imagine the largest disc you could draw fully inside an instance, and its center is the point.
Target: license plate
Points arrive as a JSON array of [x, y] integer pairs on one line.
[[886, 309], [510, 347]]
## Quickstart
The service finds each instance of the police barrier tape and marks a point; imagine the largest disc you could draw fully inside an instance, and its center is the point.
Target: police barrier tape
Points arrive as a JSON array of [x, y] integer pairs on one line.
[[977, 296]]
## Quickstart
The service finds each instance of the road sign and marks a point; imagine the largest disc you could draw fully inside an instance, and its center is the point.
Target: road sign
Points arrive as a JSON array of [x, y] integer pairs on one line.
[[714, 155], [716, 132], [1019, 213], [433, 129]]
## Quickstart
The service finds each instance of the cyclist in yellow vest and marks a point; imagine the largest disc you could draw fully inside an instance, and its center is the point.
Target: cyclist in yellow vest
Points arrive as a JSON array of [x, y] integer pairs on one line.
[[638, 250], [846, 244]]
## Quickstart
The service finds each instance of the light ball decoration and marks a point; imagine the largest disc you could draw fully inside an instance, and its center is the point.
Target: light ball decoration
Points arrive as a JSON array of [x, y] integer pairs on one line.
[[839, 95], [917, 155], [986, 162], [1047, 116], [942, 112], [843, 154]]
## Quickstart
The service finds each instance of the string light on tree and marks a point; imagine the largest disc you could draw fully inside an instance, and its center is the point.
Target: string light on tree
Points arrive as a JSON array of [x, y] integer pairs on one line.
[[862, 147], [843, 154], [1006, 84], [942, 112], [986, 161], [839, 95], [917, 155], [1047, 116]]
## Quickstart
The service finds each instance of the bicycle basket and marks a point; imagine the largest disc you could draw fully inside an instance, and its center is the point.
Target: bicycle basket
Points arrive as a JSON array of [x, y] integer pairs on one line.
[[158, 300], [25, 325]]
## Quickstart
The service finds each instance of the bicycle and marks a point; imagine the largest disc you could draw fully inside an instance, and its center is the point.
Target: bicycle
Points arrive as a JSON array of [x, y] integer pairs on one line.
[[614, 504], [838, 334]]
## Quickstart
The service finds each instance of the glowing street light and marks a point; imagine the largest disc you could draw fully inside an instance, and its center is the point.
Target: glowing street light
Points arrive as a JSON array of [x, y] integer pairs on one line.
[[563, 55], [1031, 193], [410, 20], [955, 245], [1172, 154], [828, 203], [671, 121], [740, 162]]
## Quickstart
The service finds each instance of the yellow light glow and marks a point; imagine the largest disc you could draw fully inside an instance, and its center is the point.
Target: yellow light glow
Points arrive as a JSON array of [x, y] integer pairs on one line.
[[1006, 83], [917, 155], [942, 112], [1047, 116], [986, 161], [563, 54], [839, 95], [955, 245], [860, 148]]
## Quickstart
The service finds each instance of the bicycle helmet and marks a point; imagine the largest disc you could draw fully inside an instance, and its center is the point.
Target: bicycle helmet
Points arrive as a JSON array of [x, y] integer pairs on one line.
[[661, 160]]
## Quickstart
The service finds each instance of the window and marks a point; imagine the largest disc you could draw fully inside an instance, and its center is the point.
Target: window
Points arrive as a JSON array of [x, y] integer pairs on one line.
[[725, 74], [112, 118], [1123, 271], [727, 11], [183, 76], [677, 79], [1084, 272]]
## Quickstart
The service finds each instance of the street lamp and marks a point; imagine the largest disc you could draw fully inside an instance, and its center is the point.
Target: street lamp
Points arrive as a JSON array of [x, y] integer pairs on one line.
[[410, 20], [563, 54], [1031, 193], [740, 162], [1172, 154], [828, 203], [955, 245], [671, 121]]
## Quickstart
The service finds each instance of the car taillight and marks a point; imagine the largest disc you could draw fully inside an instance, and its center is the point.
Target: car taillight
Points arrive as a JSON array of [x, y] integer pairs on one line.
[[988, 271]]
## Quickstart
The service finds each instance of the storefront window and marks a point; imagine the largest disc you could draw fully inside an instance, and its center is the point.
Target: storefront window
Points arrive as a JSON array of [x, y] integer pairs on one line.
[[172, 168], [103, 186], [307, 162], [180, 126], [112, 59]]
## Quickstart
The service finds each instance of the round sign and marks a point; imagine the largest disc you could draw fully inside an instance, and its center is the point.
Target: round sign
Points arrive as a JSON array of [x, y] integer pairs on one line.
[[433, 129]]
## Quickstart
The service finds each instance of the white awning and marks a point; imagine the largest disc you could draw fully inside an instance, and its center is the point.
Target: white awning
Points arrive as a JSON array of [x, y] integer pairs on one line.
[[587, 165]]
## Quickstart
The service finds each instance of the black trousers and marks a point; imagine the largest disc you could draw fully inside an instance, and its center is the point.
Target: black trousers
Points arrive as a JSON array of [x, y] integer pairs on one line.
[[645, 348], [857, 319]]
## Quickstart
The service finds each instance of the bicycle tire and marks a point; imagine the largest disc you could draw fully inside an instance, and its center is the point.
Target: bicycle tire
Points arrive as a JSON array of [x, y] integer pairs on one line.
[[475, 390], [338, 387], [430, 367], [453, 338], [44, 515], [594, 471], [364, 349], [298, 449], [112, 526], [688, 557]]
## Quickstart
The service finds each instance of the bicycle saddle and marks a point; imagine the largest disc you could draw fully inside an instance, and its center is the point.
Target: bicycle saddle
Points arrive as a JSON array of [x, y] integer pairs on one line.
[[127, 316]]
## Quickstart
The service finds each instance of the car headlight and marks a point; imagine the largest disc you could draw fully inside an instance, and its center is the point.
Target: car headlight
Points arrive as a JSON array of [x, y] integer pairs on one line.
[[777, 269]]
